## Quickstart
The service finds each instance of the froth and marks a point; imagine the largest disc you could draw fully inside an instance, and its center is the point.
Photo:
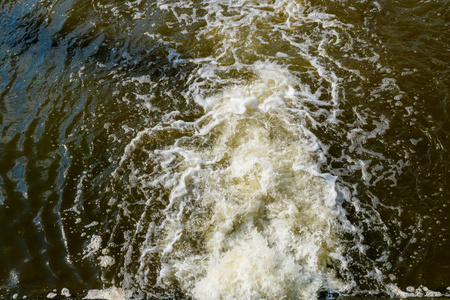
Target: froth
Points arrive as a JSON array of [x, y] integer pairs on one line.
[[242, 209], [249, 215]]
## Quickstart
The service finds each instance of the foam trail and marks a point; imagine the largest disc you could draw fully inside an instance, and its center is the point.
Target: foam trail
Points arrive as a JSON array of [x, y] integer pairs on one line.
[[244, 211], [249, 215]]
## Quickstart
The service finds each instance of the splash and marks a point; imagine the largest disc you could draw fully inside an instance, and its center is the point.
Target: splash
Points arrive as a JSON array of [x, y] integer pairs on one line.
[[247, 213]]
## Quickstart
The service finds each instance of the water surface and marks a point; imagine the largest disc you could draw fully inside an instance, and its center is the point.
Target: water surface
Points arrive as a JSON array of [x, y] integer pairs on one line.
[[224, 149]]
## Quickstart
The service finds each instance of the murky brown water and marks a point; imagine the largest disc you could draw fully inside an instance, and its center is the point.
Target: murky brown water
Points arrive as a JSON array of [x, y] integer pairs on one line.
[[224, 149]]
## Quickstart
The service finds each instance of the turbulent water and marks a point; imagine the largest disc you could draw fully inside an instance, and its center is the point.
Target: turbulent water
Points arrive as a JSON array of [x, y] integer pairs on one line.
[[205, 149]]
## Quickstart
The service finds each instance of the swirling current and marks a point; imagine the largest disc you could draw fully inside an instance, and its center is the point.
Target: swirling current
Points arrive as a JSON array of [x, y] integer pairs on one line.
[[237, 149]]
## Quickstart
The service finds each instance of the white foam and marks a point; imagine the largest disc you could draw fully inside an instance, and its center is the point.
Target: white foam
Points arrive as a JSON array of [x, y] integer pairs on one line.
[[106, 261], [93, 246], [112, 293], [411, 292], [248, 214], [65, 292], [254, 196]]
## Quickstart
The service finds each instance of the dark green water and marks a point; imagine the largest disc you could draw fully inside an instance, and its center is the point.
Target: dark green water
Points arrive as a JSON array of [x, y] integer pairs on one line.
[[225, 149]]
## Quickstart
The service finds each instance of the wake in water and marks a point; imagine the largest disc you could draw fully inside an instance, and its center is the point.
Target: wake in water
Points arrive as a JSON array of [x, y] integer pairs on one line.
[[236, 204], [247, 214], [258, 149]]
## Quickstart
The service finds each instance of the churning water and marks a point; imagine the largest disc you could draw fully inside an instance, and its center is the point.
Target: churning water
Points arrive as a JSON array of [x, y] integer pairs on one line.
[[206, 149]]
